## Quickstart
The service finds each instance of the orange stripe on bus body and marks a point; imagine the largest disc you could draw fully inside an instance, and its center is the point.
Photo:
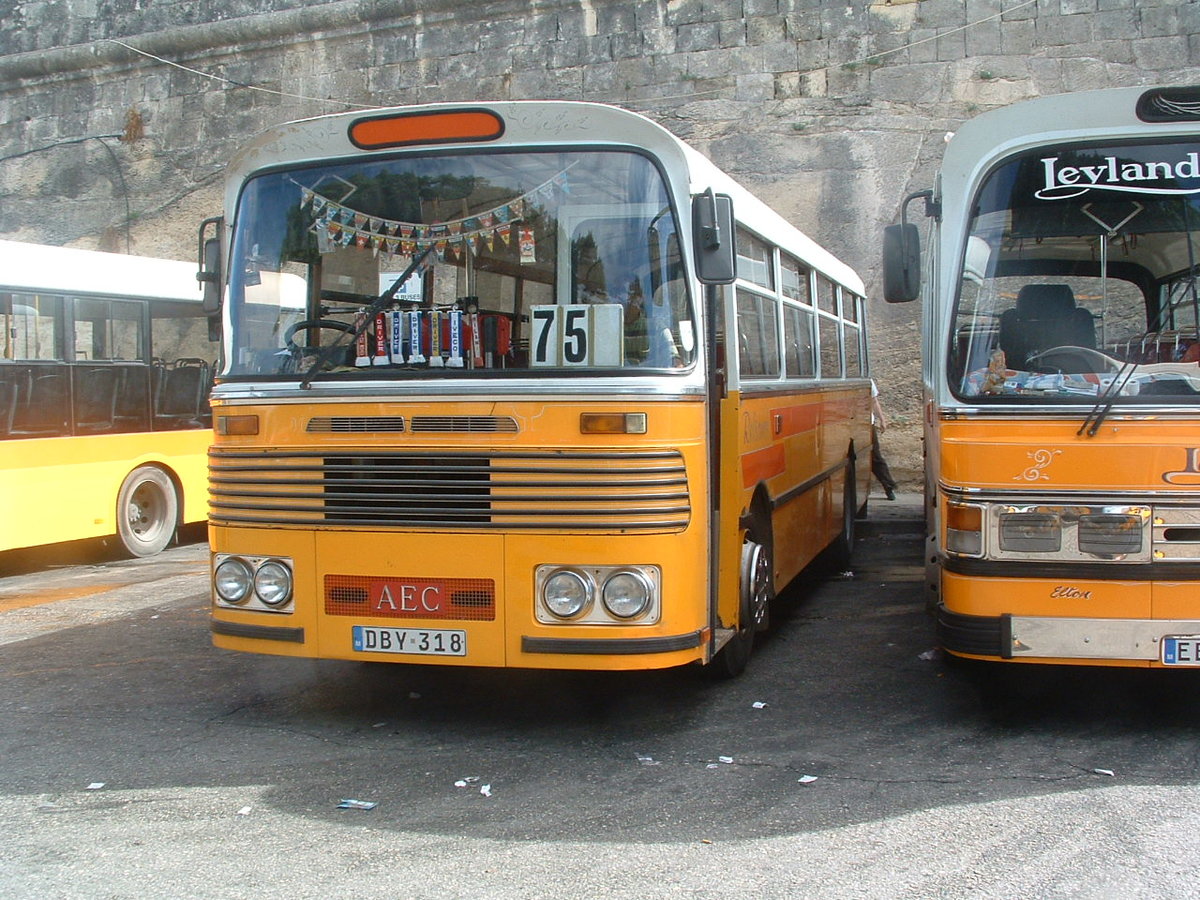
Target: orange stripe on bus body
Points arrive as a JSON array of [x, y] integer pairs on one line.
[[791, 420], [760, 465]]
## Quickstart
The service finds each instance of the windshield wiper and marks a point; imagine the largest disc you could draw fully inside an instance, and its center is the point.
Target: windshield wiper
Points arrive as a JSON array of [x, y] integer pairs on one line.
[[1104, 405], [376, 308]]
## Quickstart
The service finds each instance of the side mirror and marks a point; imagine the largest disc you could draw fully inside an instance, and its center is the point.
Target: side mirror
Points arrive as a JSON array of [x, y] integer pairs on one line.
[[209, 275], [713, 238], [901, 263]]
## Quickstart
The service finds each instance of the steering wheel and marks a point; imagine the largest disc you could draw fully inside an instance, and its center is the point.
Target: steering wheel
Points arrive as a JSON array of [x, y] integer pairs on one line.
[[1071, 360], [289, 336]]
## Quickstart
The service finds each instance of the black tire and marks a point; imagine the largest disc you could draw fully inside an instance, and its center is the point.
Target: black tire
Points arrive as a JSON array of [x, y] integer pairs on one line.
[[841, 551], [147, 511], [756, 592]]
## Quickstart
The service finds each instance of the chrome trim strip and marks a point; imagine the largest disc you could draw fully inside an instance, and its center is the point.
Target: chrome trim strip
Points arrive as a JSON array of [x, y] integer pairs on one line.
[[750, 389], [613, 646], [1076, 414], [441, 525], [424, 391], [1059, 495], [1070, 638], [258, 632]]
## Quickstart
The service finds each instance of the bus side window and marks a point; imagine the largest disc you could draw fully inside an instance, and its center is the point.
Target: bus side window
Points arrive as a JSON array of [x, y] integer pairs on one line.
[[799, 355], [758, 337]]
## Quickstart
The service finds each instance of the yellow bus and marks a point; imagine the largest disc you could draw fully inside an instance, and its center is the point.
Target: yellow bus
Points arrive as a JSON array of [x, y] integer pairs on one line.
[[534, 410], [104, 379], [1063, 391]]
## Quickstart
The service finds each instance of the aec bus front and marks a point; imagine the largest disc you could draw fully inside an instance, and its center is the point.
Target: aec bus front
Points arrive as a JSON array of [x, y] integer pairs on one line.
[[489, 428]]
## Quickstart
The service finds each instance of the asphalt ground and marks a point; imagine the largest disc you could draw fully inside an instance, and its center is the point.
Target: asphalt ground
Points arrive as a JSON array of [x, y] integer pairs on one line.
[[849, 760]]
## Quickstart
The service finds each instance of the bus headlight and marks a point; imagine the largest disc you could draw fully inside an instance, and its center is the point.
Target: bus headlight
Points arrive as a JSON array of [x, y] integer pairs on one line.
[[273, 583], [626, 594], [1112, 536], [566, 593], [232, 580], [1030, 532]]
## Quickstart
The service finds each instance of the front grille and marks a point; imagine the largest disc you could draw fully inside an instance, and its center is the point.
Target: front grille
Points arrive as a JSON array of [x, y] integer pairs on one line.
[[436, 488], [355, 424], [464, 424], [596, 492]]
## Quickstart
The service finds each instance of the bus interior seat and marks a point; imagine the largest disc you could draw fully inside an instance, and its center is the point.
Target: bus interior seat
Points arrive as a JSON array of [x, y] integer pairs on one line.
[[41, 409], [96, 400], [134, 390], [1045, 316], [8, 405], [181, 396]]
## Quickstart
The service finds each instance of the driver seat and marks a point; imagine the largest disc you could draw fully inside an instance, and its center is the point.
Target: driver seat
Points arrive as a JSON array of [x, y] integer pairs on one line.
[[1045, 316]]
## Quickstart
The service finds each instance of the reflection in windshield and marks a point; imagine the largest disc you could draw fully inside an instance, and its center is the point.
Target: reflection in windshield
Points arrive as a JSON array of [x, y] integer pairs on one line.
[[1079, 279], [532, 262]]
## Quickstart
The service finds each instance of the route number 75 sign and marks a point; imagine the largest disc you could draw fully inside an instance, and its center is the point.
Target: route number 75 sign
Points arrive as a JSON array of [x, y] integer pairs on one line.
[[577, 335]]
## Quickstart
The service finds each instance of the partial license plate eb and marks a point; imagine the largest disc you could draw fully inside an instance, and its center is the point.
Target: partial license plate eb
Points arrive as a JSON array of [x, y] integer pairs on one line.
[[1181, 650], [416, 641]]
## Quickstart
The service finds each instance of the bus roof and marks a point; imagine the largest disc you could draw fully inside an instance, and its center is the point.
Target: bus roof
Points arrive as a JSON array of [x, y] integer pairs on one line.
[[39, 267]]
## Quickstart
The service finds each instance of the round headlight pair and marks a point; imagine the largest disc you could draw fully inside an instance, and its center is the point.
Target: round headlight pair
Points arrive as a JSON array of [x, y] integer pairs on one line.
[[568, 594], [235, 580]]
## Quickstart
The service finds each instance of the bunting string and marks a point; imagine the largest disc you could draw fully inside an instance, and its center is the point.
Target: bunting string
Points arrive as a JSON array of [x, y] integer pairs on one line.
[[342, 225]]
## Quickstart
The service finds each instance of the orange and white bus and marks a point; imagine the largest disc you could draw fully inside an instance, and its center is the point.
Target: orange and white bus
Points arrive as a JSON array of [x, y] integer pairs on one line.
[[1063, 391], [533, 411], [104, 378]]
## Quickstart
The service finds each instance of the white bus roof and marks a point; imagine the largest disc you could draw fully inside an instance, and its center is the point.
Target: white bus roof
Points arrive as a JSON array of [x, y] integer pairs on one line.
[[38, 267]]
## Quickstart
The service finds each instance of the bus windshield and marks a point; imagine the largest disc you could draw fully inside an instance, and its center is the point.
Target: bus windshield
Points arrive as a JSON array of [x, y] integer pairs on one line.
[[1079, 279], [529, 262]]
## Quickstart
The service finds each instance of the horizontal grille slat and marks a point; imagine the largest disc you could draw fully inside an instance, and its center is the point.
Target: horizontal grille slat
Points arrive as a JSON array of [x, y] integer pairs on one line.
[[464, 424], [588, 491], [356, 425]]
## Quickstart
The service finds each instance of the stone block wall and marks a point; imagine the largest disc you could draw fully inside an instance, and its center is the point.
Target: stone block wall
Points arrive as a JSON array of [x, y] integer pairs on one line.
[[116, 115]]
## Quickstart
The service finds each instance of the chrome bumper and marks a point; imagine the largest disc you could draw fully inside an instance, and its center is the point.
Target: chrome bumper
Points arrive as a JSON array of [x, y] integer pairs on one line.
[[1040, 637], [1094, 638]]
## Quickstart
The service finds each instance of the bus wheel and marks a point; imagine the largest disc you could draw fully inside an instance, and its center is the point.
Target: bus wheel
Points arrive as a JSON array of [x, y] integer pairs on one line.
[[147, 511], [841, 551], [755, 601]]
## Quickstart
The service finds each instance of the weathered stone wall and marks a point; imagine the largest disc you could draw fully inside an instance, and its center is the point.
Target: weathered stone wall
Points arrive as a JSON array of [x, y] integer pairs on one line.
[[116, 115]]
